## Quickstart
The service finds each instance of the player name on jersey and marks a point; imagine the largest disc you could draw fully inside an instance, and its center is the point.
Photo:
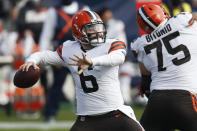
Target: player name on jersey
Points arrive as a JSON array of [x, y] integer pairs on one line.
[[158, 33]]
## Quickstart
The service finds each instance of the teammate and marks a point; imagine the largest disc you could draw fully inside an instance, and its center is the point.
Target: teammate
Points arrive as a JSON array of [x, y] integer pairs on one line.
[[168, 54], [94, 62]]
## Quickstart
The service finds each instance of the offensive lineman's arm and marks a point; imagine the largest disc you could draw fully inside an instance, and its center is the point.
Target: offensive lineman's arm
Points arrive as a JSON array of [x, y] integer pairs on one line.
[[144, 88], [146, 80]]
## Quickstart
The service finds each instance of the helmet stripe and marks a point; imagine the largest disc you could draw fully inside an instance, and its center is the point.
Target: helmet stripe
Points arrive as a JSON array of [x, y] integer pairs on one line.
[[96, 15], [149, 18], [145, 22], [146, 18], [91, 14]]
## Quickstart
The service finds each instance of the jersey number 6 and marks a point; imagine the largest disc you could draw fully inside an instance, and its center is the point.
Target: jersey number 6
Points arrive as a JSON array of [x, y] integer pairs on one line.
[[170, 50], [90, 78]]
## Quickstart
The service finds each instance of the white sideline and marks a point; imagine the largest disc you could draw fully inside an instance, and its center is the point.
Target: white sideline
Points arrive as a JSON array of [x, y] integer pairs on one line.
[[36, 125]]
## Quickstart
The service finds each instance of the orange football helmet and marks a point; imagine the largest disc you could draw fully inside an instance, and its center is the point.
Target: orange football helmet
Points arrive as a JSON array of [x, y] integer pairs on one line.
[[88, 28], [150, 16]]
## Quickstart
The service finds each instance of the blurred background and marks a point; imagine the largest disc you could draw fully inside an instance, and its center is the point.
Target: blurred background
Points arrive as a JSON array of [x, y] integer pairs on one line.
[[27, 26]]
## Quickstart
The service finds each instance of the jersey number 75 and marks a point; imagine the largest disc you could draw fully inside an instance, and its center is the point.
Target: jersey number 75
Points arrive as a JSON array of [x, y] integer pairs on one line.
[[170, 50]]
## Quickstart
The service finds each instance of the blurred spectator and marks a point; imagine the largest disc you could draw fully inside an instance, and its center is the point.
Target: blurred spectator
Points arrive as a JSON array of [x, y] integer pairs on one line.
[[12, 51], [4, 8], [194, 5], [7, 41], [17, 44], [56, 30], [115, 28], [174, 7], [7, 45], [31, 17]]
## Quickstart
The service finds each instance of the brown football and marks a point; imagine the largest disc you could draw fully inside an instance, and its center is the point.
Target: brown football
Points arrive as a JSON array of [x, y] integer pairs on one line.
[[23, 79]]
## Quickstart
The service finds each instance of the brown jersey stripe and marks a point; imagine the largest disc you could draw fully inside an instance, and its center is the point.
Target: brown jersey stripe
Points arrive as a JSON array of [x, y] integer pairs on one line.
[[191, 21], [59, 51], [59, 54], [116, 48], [60, 47], [194, 101], [116, 44]]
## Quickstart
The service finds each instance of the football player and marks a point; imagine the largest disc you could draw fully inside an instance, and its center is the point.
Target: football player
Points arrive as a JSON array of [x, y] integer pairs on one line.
[[167, 57], [93, 61]]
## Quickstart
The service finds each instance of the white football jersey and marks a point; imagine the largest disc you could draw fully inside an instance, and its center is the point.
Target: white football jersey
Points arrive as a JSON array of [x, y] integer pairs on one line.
[[170, 54], [98, 88]]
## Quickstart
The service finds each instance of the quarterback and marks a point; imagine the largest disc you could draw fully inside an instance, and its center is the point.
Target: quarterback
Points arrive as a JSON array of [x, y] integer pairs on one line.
[[167, 57], [94, 62]]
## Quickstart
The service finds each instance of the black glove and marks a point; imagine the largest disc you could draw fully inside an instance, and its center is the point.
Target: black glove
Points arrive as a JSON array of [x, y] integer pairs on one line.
[[145, 85]]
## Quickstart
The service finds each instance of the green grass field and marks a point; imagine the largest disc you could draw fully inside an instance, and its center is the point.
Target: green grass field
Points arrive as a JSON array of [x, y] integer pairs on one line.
[[66, 113]]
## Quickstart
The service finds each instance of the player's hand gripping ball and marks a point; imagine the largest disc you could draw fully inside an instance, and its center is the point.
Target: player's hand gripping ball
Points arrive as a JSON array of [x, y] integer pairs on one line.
[[25, 79]]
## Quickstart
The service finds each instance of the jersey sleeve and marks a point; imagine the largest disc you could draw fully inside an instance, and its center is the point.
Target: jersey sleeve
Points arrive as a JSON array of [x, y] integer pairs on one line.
[[136, 49], [135, 45], [116, 46], [185, 18], [45, 57], [59, 51]]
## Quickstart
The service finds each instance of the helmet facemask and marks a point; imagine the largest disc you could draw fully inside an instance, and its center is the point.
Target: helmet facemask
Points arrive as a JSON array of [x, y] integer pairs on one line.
[[94, 33]]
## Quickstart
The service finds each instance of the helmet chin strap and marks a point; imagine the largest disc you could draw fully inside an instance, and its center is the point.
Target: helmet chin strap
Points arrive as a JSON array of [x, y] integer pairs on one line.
[[96, 42]]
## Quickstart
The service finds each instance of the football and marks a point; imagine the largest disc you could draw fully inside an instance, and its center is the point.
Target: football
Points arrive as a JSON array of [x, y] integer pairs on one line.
[[25, 79]]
